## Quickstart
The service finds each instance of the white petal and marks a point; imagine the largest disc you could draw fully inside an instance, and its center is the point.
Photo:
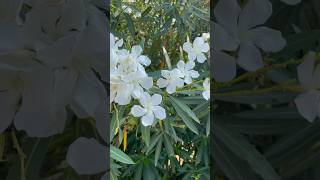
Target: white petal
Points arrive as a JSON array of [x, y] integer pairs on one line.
[[171, 88], [190, 65], [198, 42], [161, 83], [123, 96], [224, 67], [307, 104], [147, 82], [206, 95], [181, 65], [156, 99], [145, 99], [249, 57], [178, 82], [192, 56], [159, 112], [9, 101], [136, 51], [188, 79], [305, 71], [194, 74], [144, 60], [176, 73], [204, 47], [87, 156], [255, 12], [138, 111], [187, 47], [201, 58], [137, 91], [147, 119], [165, 73], [268, 39], [227, 12], [222, 39]]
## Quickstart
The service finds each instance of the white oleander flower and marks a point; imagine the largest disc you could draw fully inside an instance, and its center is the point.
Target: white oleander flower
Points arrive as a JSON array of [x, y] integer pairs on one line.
[[206, 86], [239, 29], [150, 109], [187, 71], [133, 61], [139, 80], [172, 80], [308, 103], [197, 49], [120, 92]]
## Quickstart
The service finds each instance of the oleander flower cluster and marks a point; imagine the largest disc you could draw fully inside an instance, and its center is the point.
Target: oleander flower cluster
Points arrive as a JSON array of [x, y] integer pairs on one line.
[[129, 80]]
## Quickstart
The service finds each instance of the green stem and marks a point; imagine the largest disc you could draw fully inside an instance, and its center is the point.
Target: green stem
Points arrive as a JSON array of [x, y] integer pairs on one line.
[[263, 70], [282, 88], [21, 154]]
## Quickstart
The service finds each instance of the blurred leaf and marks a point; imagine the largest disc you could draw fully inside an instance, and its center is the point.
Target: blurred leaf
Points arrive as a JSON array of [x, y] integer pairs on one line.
[[120, 156], [241, 148]]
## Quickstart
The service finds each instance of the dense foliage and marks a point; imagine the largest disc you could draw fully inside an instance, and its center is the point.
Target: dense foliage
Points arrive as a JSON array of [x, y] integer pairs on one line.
[[266, 89], [165, 42]]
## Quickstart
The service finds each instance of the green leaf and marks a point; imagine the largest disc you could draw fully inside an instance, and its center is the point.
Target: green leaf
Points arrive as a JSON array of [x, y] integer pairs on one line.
[[185, 108], [242, 149], [146, 12], [155, 138], [35, 150], [113, 176], [294, 145], [120, 156], [168, 145], [185, 118], [232, 166], [145, 131], [138, 172], [158, 151], [130, 24]]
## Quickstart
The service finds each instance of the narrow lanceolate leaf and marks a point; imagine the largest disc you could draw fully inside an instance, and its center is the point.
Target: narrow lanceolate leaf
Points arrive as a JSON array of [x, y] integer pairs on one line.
[[138, 172], [185, 108], [145, 131], [186, 119], [130, 24], [231, 165], [158, 151], [241, 148], [120, 156], [168, 145], [154, 140]]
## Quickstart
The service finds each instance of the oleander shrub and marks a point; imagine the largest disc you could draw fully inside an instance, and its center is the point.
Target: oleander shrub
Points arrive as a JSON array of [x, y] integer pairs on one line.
[[265, 122], [160, 89]]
